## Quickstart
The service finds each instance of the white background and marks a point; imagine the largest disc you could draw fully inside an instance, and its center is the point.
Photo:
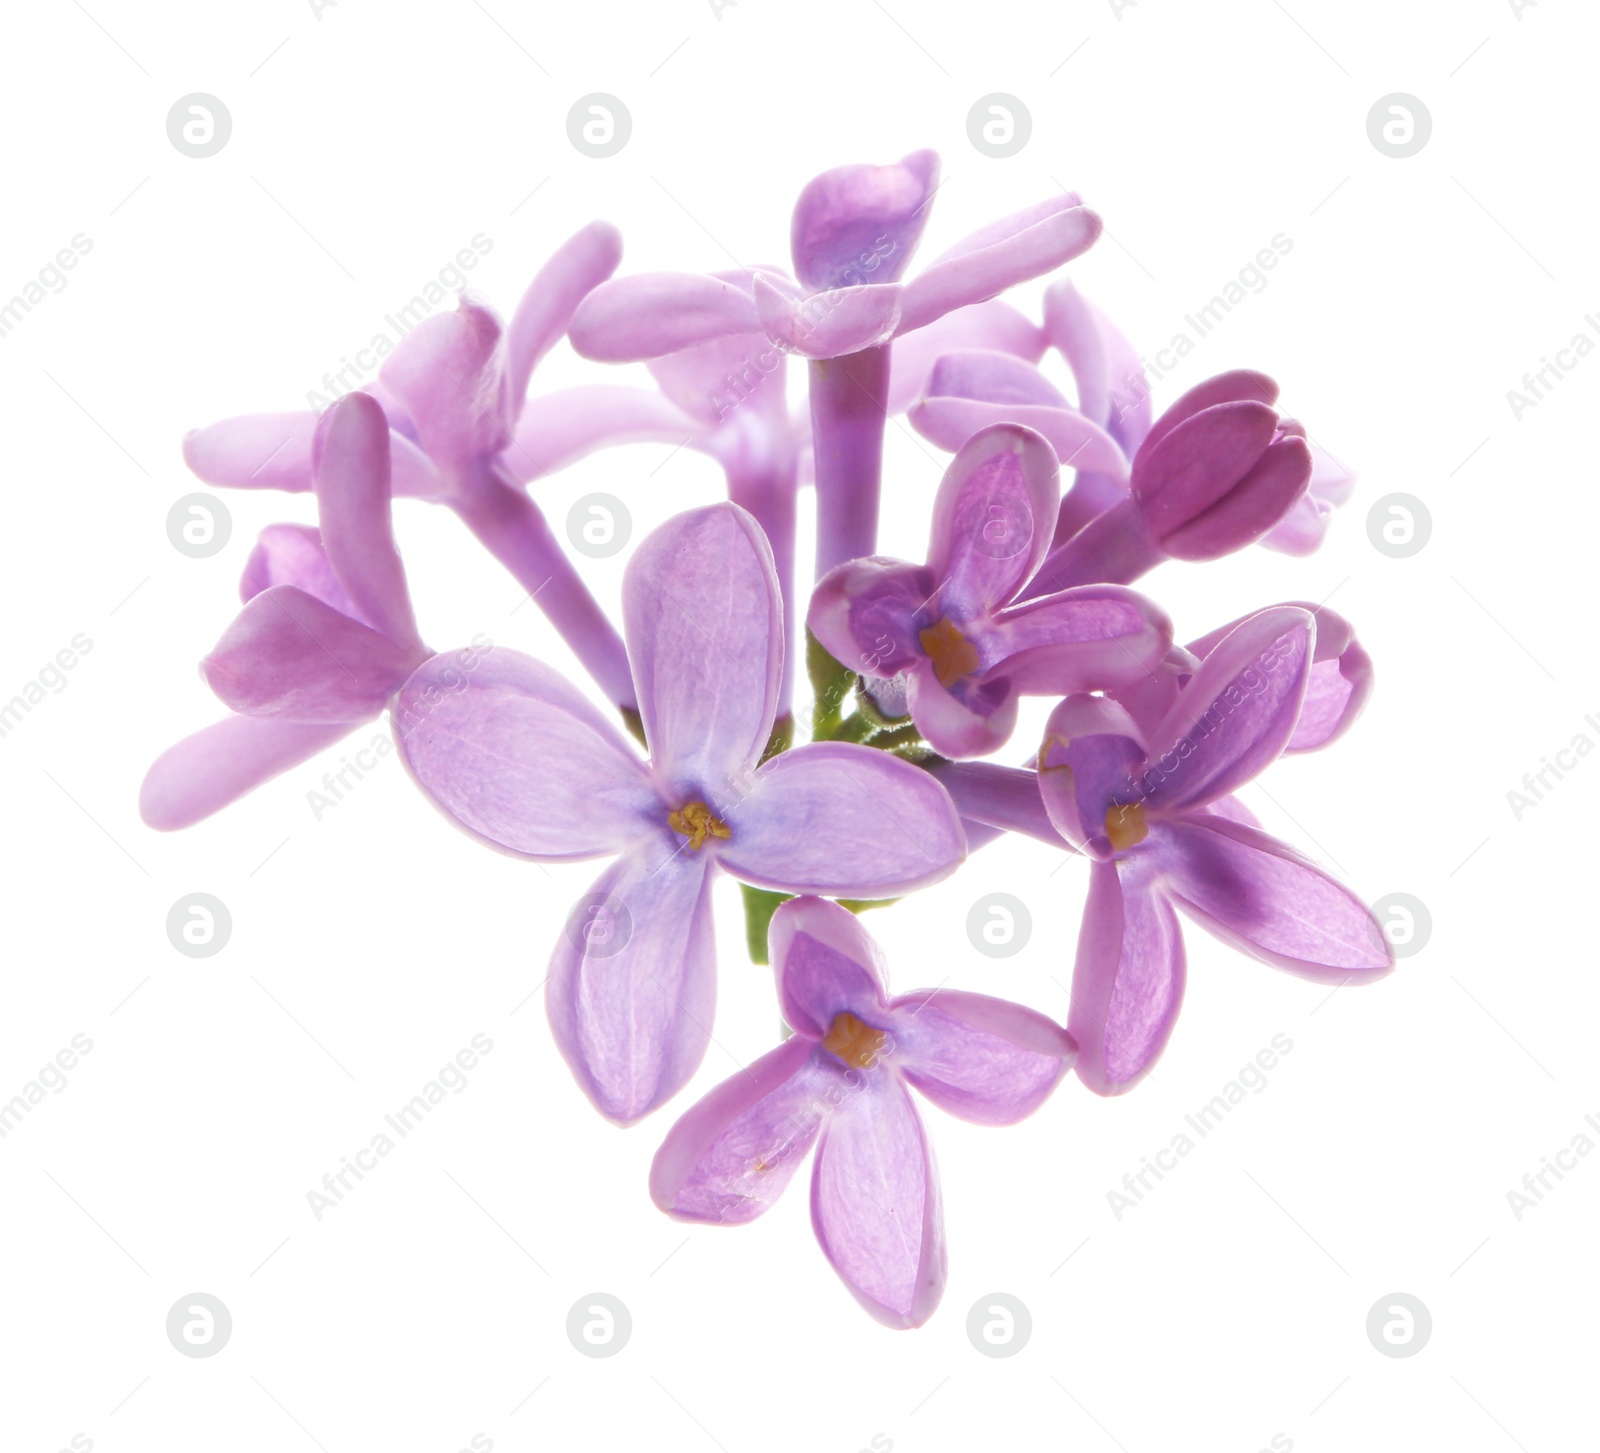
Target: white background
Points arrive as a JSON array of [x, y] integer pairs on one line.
[[369, 146]]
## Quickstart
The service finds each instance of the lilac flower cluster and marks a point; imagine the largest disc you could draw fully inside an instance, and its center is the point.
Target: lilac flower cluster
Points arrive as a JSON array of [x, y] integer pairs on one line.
[[917, 671]]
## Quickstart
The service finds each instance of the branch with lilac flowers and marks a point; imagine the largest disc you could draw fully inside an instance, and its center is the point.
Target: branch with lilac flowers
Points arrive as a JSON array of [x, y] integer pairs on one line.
[[917, 670]]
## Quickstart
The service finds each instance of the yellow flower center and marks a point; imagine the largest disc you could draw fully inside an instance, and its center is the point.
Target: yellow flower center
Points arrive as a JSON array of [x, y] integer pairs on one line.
[[952, 654], [852, 1041], [1125, 825], [697, 822]]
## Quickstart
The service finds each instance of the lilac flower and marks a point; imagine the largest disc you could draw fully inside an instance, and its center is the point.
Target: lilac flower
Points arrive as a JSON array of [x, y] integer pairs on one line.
[[520, 759], [453, 392], [841, 1083], [950, 627], [852, 236], [1144, 806], [1145, 792], [325, 639]]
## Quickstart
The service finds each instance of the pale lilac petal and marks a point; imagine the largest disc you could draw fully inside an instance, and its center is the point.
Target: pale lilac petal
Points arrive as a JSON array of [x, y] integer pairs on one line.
[[826, 964], [218, 764], [1088, 638], [576, 268], [860, 224], [993, 520], [983, 1059], [351, 468], [865, 614], [273, 451], [633, 1022], [449, 372], [704, 626], [287, 655], [1110, 375], [830, 324], [560, 428], [1237, 712], [948, 419], [1303, 529], [254, 451], [875, 1204], [293, 555], [1127, 984], [511, 751], [971, 718], [994, 325], [732, 1154], [1263, 898], [1091, 757], [1025, 245], [651, 313], [1336, 693], [738, 370], [844, 820], [992, 377]]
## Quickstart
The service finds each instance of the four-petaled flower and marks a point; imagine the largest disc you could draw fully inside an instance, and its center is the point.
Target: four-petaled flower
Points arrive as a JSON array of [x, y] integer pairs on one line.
[[1152, 809], [950, 628], [841, 1083], [522, 760]]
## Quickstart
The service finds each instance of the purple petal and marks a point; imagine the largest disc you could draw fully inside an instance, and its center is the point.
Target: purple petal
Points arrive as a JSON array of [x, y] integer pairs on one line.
[[1339, 684], [1260, 896], [1112, 388], [273, 451], [1090, 760], [843, 820], [971, 718], [293, 555], [738, 370], [351, 469], [1190, 469], [826, 964], [1078, 442], [511, 751], [1236, 713], [860, 224], [1250, 509], [732, 1154], [829, 324], [651, 313], [992, 377], [449, 372], [220, 763], [993, 520], [287, 655], [1025, 245], [254, 451], [1127, 984], [704, 626], [576, 268], [1088, 638], [633, 1022], [875, 1204], [983, 1059], [993, 326], [1241, 384], [560, 428], [865, 614]]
